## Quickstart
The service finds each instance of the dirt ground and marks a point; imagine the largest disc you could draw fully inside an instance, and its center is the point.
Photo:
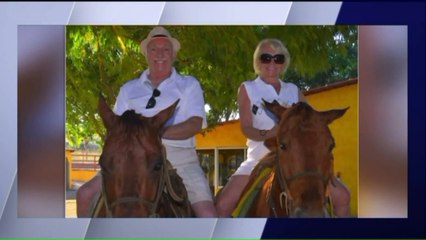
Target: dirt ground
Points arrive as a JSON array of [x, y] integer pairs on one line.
[[70, 208], [70, 202]]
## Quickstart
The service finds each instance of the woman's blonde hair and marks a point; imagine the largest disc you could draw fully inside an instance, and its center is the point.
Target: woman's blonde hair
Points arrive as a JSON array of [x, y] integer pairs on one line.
[[274, 44]]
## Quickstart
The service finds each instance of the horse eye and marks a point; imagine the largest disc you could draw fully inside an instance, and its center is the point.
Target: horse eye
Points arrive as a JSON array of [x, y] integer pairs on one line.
[[158, 165], [283, 146], [332, 145]]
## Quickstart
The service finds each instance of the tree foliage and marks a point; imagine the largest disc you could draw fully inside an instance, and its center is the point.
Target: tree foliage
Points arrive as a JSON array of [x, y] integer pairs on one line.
[[99, 59]]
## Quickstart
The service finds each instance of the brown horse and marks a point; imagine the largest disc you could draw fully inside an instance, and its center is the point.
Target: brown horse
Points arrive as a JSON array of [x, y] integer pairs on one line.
[[137, 179], [292, 180]]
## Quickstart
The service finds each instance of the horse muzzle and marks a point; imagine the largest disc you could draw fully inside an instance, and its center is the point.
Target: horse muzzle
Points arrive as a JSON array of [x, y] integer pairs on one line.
[[310, 213]]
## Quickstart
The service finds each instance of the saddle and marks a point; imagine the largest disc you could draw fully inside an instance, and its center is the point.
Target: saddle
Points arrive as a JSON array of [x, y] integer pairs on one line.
[[259, 176], [174, 195], [257, 179]]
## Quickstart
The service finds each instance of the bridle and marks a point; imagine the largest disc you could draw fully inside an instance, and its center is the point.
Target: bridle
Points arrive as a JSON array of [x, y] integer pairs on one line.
[[164, 185], [285, 197]]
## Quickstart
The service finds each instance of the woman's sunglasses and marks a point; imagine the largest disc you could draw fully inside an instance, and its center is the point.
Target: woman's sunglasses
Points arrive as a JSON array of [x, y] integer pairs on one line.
[[267, 58], [151, 102]]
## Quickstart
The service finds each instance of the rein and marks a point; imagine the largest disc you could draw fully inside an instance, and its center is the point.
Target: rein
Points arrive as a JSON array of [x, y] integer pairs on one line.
[[286, 200]]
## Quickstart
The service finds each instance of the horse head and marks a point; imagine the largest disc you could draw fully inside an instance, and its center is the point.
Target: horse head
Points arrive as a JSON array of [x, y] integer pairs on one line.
[[304, 160], [132, 161]]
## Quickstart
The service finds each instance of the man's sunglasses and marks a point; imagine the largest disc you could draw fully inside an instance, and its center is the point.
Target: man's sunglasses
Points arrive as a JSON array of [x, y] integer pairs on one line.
[[151, 102], [267, 58]]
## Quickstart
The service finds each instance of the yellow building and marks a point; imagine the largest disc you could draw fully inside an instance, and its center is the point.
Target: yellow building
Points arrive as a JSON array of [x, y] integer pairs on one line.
[[68, 170], [84, 165], [223, 148]]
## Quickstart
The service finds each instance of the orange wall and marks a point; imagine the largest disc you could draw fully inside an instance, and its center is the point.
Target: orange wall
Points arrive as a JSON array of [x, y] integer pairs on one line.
[[68, 160], [222, 135], [83, 174], [345, 133]]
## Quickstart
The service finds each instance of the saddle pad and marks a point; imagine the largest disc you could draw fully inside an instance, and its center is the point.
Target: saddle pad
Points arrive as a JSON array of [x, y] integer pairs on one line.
[[247, 199]]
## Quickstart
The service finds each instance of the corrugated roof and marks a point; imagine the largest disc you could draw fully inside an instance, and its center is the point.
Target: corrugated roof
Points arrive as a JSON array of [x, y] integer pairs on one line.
[[331, 86]]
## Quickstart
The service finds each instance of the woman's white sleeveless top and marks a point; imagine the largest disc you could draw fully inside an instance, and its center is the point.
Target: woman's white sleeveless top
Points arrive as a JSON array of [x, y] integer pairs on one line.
[[263, 119]]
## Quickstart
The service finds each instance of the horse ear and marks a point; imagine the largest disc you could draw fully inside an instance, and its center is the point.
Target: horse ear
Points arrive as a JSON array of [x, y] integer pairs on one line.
[[160, 118], [275, 108], [107, 115], [271, 144], [331, 115]]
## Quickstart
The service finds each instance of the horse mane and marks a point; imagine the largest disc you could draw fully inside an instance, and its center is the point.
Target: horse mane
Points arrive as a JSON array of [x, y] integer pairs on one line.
[[132, 122], [268, 161], [131, 118], [301, 115]]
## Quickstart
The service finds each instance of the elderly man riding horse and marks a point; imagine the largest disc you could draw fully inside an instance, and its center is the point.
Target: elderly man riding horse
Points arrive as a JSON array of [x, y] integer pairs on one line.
[[157, 88]]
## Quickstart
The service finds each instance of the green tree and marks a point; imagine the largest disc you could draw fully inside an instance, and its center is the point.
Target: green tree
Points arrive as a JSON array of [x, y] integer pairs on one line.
[[99, 59]]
